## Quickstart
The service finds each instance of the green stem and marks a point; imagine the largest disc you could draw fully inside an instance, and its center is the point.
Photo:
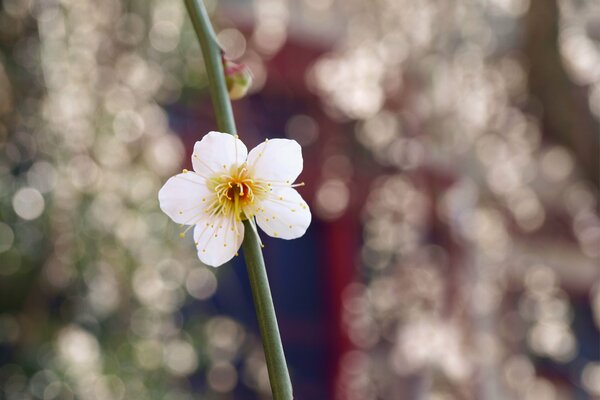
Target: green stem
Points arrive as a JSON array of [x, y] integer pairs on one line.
[[281, 385], [211, 52]]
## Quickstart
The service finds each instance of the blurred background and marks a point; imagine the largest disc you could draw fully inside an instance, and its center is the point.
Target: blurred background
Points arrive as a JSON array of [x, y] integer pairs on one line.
[[451, 165]]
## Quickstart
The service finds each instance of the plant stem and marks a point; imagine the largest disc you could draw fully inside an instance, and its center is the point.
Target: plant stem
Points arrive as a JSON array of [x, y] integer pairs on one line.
[[211, 52], [281, 385]]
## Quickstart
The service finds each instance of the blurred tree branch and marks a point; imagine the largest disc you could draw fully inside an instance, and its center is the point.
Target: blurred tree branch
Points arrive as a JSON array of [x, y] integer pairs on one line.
[[566, 117]]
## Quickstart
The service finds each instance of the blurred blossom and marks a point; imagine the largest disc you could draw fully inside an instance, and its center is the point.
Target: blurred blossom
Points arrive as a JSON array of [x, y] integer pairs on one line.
[[180, 357], [353, 83], [28, 203], [201, 283], [42, 176], [79, 348], [85, 154], [148, 354], [556, 164], [103, 295], [553, 339], [518, 372], [225, 337], [222, 377], [233, 42], [271, 19], [541, 389], [463, 223], [591, 378], [425, 342], [303, 129], [379, 131], [255, 374], [332, 199], [7, 237], [164, 36], [163, 154]]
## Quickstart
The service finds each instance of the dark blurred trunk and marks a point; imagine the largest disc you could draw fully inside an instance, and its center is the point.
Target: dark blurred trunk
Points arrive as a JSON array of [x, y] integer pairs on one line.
[[565, 114]]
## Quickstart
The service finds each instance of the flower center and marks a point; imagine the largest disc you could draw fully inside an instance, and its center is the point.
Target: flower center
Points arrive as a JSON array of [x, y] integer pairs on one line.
[[235, 192]]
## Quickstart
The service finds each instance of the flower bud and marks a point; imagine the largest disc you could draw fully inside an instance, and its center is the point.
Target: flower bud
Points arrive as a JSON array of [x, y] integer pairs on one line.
[[238, 79]]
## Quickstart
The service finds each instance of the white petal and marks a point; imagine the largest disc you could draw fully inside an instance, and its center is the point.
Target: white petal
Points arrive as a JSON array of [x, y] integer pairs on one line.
[[276, 160], [218, 240], [217, 152], [283, 214], [184, 198]]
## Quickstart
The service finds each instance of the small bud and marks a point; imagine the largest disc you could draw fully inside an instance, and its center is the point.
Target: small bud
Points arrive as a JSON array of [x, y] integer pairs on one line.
[[238, 79]]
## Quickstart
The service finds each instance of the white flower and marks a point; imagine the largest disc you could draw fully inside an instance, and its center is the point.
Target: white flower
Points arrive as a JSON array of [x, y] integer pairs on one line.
[[229, 185]]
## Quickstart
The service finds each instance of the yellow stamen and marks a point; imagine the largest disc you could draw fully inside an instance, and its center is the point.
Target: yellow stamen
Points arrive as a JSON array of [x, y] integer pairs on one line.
[[235, 193]]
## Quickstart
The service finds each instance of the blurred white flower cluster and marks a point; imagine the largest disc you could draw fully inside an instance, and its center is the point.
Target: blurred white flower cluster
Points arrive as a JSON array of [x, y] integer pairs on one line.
[[90, 149], [483, 228]]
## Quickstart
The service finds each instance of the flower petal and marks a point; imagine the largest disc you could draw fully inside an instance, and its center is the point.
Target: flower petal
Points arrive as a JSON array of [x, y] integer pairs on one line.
[[218, 240], [217, 152], [283, 214], [276, 160], [184, 197]]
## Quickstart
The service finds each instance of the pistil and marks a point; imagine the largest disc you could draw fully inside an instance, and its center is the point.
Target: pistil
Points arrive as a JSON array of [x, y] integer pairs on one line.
[[234, 193]]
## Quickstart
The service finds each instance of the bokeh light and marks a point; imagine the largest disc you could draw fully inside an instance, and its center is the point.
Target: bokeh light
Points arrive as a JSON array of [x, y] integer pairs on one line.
[[450, 153]]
